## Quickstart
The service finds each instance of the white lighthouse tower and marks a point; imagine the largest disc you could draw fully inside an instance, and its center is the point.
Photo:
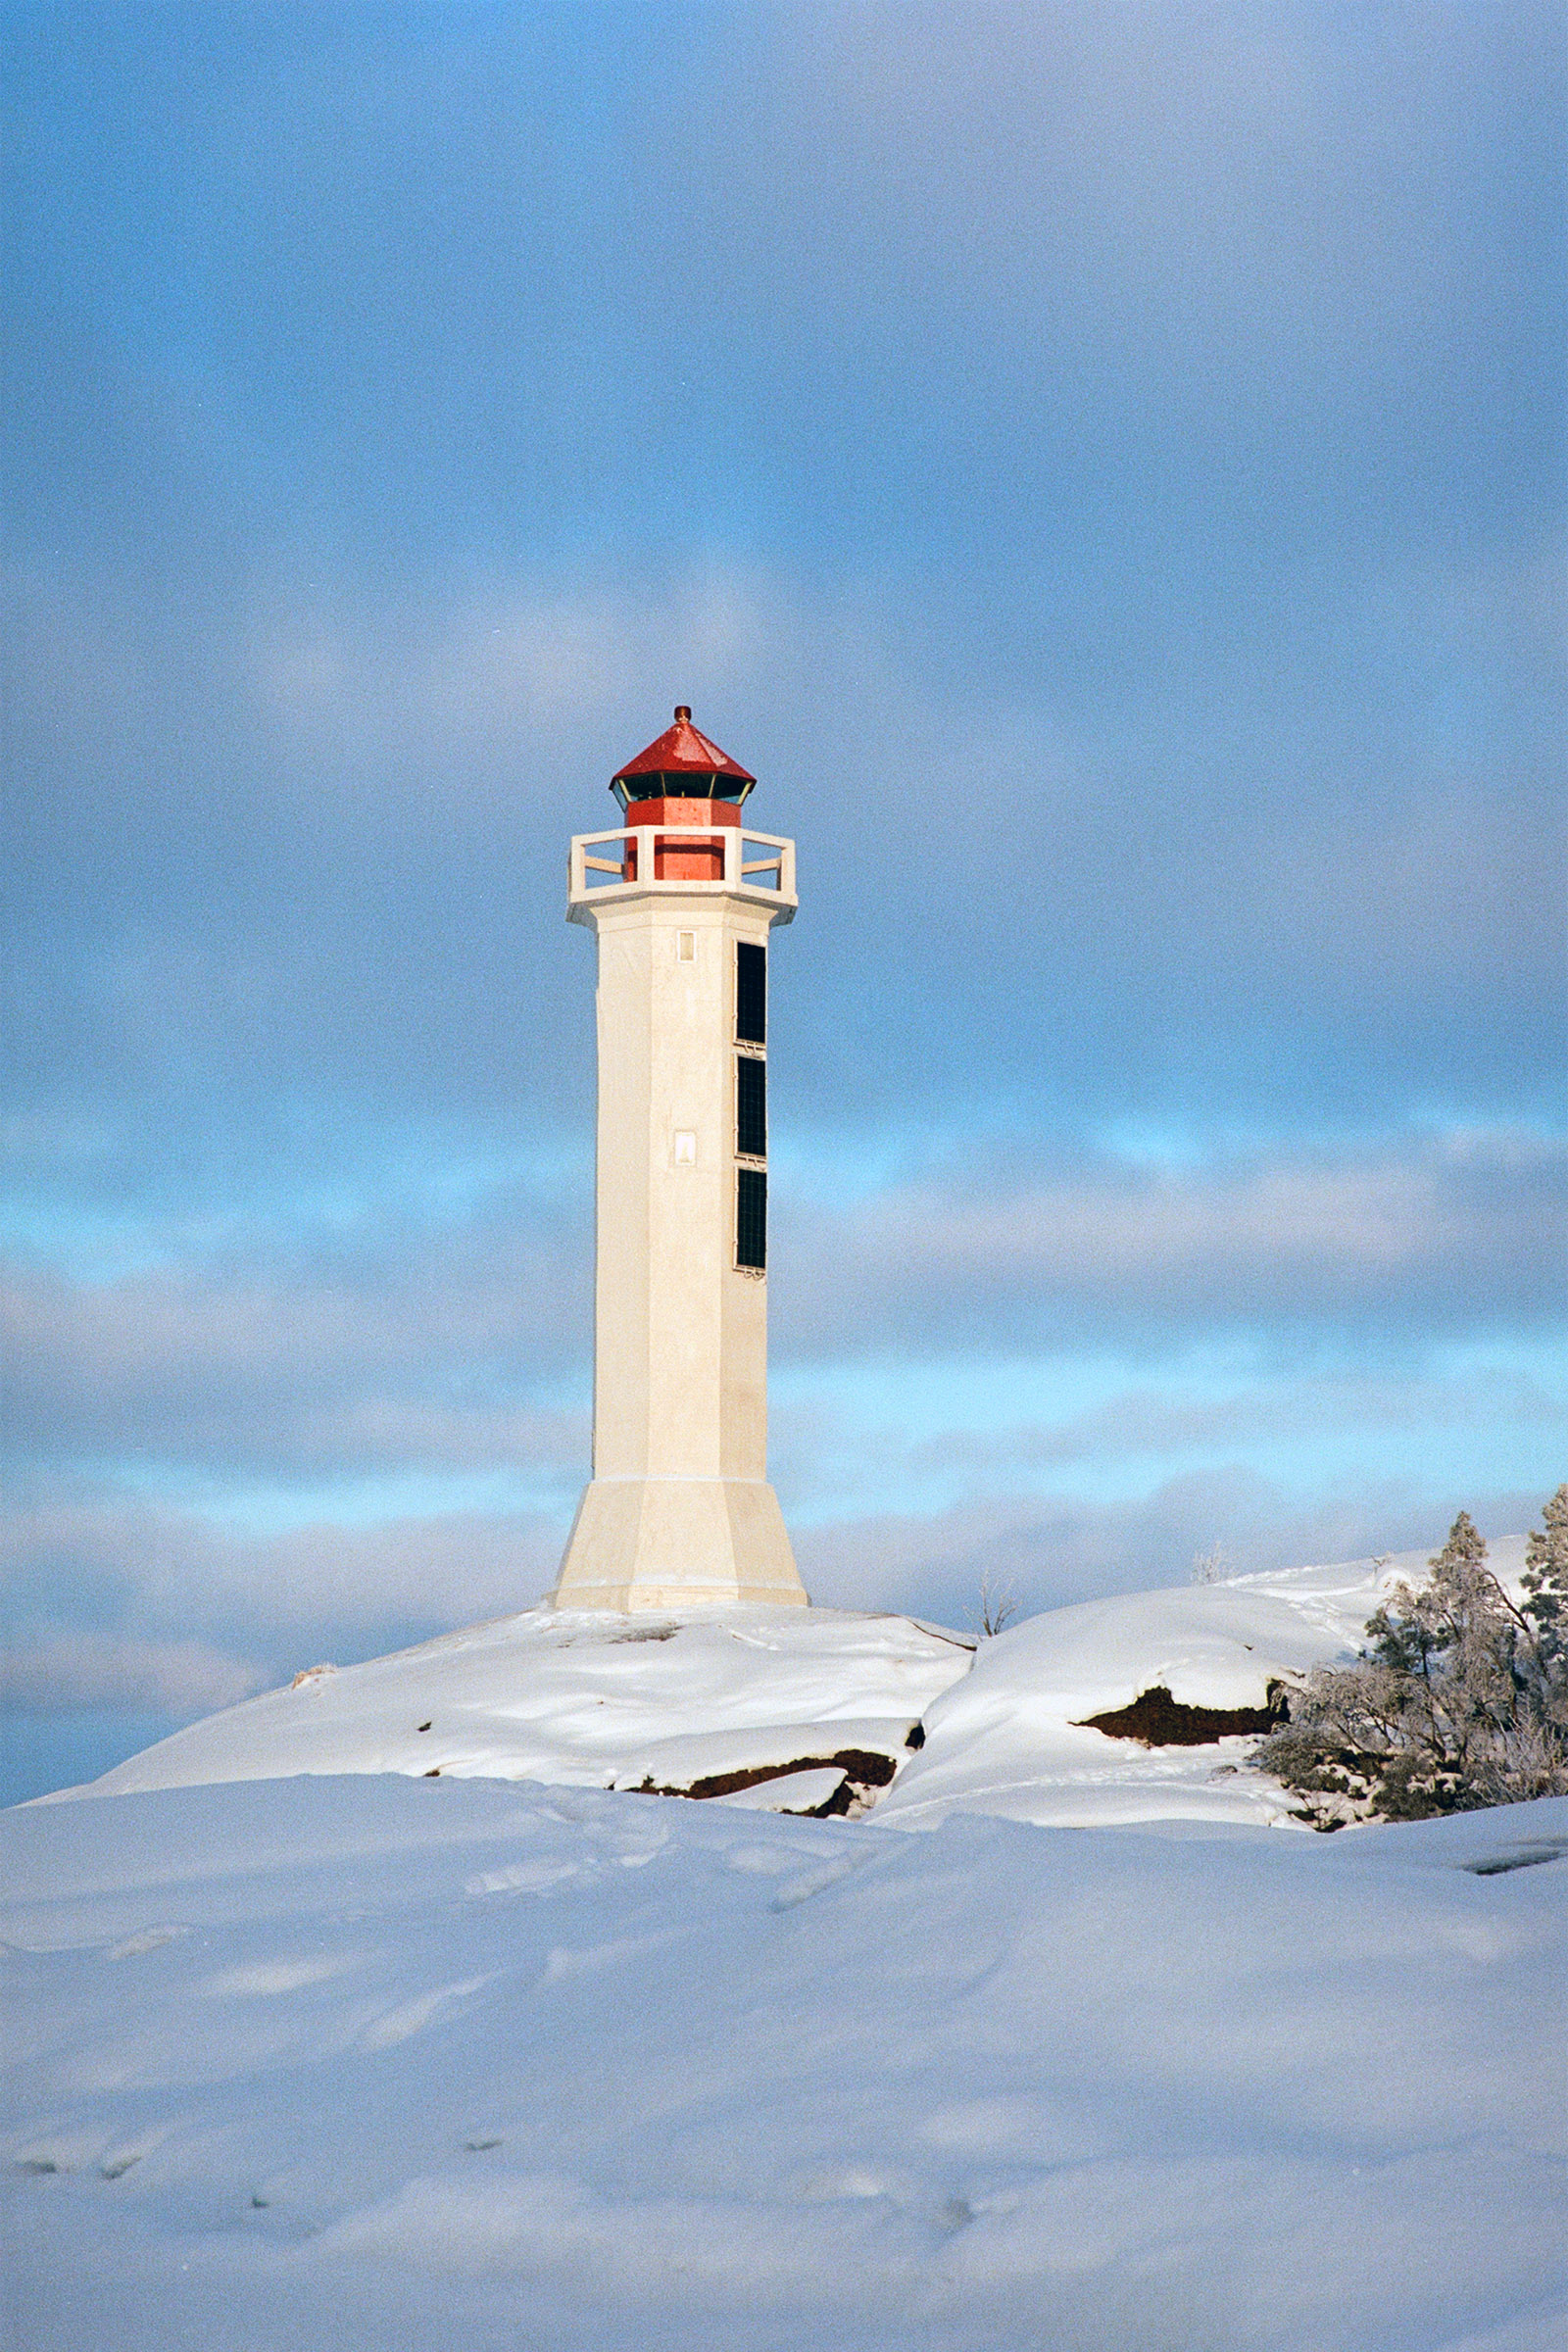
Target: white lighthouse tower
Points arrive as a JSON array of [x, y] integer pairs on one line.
[[679, 1512]]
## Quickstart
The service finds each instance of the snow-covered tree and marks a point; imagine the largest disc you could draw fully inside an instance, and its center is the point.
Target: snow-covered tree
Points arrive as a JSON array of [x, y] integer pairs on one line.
[[1545, 1577], [1459, 1699]]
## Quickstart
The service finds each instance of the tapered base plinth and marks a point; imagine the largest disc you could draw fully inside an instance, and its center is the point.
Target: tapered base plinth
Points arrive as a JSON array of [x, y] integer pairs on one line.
[[677, 1542]]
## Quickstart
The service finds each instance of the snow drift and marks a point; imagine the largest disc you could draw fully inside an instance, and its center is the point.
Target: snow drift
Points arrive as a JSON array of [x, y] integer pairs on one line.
[[432, 2066], [589, 1697]]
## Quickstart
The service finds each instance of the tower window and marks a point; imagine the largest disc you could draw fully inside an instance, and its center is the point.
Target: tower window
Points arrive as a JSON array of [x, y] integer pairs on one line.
[[750, 1106], [751, 993], [751, 1218], [686, 947]]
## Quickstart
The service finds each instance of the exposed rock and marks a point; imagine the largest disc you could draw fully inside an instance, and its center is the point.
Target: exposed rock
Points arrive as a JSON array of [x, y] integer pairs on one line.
[[1157, 1719], [857, 1764]]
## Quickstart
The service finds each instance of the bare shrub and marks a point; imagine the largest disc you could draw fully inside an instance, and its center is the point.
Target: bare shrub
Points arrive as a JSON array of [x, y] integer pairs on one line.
[[998, 1608]]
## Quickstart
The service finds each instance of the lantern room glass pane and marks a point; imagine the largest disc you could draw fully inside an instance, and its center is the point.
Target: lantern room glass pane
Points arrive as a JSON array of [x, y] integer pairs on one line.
[[751, 993], [751, 1217]]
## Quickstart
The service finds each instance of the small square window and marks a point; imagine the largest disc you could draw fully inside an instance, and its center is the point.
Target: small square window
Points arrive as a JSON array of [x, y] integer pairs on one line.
[[686, 947]]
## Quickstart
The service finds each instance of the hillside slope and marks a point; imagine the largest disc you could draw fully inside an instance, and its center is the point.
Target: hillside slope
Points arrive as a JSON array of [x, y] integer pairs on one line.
[[586, 1698], [1011, 1737], [729, 1702]]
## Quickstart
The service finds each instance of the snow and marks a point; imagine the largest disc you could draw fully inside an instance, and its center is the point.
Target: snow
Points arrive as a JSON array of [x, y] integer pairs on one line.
[[388, 2062], [592, 1698], [325, 2025], [790, 1792], [585, 1697], [1009, 1738]]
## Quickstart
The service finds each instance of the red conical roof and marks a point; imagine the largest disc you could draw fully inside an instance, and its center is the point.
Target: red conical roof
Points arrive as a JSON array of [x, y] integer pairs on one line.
[[682, 754]]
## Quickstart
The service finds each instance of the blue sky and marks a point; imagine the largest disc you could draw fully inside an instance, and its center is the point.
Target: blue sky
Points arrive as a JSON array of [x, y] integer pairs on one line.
[[1099, 466]]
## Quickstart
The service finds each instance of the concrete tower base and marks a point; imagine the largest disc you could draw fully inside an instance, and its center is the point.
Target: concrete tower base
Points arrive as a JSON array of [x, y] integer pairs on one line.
[[675, 1544]]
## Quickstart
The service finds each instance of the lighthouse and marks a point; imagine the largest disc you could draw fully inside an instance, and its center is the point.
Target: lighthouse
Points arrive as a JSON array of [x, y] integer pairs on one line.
[[683, 899]]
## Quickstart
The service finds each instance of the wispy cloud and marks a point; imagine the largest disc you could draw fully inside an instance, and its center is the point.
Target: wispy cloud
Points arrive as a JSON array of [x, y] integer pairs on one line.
[[122, 1673], [1456, 1232], [1050, 1551], [123, 1568], [434, 1361]]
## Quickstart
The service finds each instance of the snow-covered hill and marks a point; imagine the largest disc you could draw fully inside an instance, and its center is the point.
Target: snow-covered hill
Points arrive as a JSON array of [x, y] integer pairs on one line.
[[586, 1697], [1012, 1739], [812, 1708], [331, 2021]]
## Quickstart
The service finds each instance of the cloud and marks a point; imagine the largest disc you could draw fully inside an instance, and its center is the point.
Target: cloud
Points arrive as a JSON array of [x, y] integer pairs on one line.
[[373, 1345], [1450, 1232], [374, 1348], [1310, 874], [140, 1570], [445, 684], [1098, 473], [969, 1430], [121, 1604], [123, 1674], [1052, 1552], [1080, 245]]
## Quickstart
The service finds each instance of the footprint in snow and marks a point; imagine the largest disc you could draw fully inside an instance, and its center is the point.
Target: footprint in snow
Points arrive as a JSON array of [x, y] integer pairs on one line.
[[849, 2182], [815, 1882], [145, 1939], [524, 1878], [116, 2161], [265, 1978], [766, 1861], [89, 2149], [409, 2018], [565, 1960]]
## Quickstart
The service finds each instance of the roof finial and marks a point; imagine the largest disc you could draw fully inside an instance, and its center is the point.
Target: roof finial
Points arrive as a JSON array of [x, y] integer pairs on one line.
[[683, 711]]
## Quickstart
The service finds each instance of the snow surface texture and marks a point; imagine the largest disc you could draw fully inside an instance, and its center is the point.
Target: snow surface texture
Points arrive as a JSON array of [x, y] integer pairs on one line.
[[1009, 1738], [398, 2065], [607, 1702], [587, 1697]]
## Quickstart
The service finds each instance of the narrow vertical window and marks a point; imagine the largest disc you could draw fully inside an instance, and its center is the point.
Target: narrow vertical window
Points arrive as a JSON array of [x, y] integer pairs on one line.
[[751, 993], [750, 1106], [751, 1218], [686, 947]]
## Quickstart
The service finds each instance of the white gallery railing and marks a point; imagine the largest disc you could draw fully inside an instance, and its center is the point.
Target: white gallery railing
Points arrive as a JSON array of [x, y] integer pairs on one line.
[[741, 868]]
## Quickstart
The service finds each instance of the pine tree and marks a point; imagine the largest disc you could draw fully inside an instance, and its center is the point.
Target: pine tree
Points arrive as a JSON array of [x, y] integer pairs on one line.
[[1546, 1606], [1545, 1577], [1459, 1699]]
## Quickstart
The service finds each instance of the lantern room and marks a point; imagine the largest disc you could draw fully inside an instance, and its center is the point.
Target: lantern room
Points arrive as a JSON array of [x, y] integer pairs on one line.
[[682, 779], [681, 765]]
